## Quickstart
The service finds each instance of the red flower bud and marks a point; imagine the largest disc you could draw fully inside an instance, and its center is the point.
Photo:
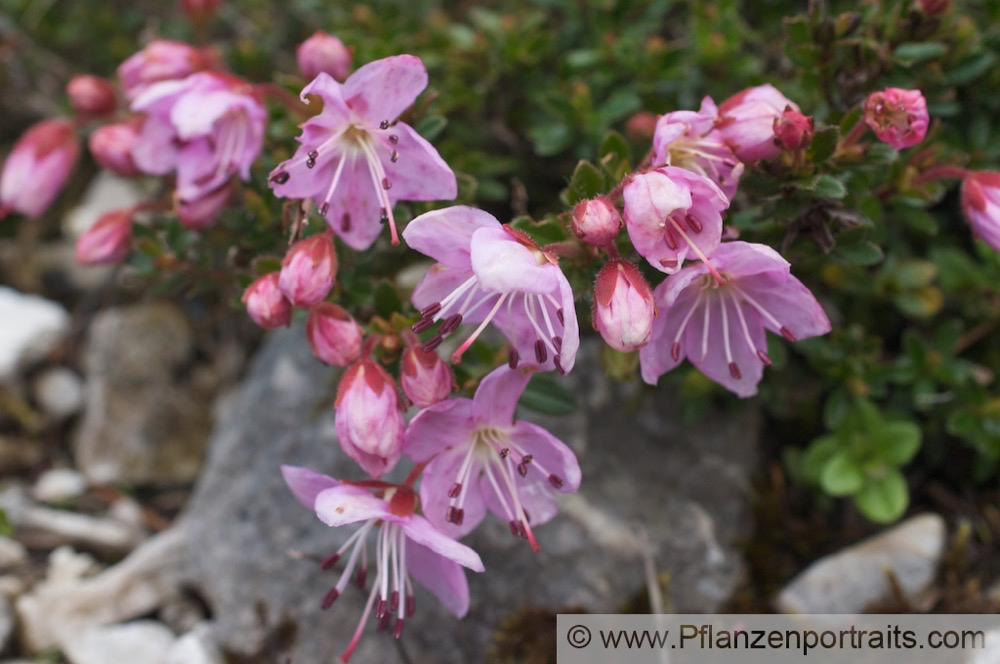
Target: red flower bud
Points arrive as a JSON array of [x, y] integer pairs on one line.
[[792, 130], [91, 95], [266, 304], [108, 241], [623, 306], [369, 420], [38, 167], [596, 221], [426, 379], [334, 336], [308, 270], [323, 53]]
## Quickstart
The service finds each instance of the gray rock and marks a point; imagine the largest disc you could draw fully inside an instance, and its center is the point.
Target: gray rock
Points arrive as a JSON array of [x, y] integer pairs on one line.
[[31, 327], [683, 486], [195, 647], [144, 422], [59, 391], [6, 622], [140, 642], [850, 580], [58, 485], [12, 552]]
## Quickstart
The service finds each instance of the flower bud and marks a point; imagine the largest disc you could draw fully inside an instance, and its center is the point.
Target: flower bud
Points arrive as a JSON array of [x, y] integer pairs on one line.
[[323, 53], [898, 117], [623, 306], [108, 241], [934, 7], [161, 60], [426, 379], [91, 95], [746, 121], [111, 146], [981, 205], [596, 221], [308, 270], [266, 304], [200, 11], [792, 130], [334, 336], [38, 167], [641, 126], [203, 212], [369, 419]]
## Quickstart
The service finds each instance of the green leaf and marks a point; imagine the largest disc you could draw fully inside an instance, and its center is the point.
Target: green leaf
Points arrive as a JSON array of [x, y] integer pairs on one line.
[[431, 126], [545, 395], [387, 300], [898, 442], [614, 144], [841, 476], [818, 455], [585, 183], [885, 499], [826, 186], [824, 144], [971, 68], [864, 253], [550, 139], [910, 53]]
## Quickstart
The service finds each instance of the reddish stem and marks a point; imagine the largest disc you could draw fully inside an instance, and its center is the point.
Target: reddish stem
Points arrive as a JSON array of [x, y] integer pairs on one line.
[[940, 173], [415, 473]]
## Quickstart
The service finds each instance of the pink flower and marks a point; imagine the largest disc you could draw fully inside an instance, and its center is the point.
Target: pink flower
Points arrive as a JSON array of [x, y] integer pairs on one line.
[[898, 117], [200, 11], [161, 60], [623, 306], [407, 548], [981, 205], [323, 53], [488, 272], [690, 140], [202, 213], [369, 418], [672, 214], [720, 327], [308, 270], [596, 221], [91, 95], [425, 378], [208, 127], [792, 130], [480, 458], [333, 335], [38, 167], [111, 146], [356, 159], [266, 304], [746, 121], [108, 241]]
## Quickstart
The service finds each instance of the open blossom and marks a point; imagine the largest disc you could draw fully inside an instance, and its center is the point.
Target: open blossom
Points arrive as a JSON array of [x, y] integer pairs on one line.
[[323, 53], [488, 272], [369, 417], [690, 140], [108, 241], [308, 270], [746, 121], [38, 167], [407, 549], [481, 459], [208, 127], [111, 146], [898, 117], [720, 326], [333, 335], [266, 304], [356, 159], [981, 205], [623, 306], [160, 60], [672, 214]]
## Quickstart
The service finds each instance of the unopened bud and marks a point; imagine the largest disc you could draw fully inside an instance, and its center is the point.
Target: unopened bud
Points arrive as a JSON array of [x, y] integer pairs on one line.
[[641, 126], [203, 212], [200, 11], [266, 304], [934, 7], [38, 167], [981, 205], [425, 377], [323, 53], [369, 419], [111, 146], [596, 221], [91, 95], [334, 336], [792, 130], [623, 306], [308, 270], [108, 241]]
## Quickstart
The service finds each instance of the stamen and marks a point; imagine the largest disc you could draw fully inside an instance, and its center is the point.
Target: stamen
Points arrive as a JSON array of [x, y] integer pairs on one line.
[[557, 361], [345, 222], [455, 515], [393, 156], [764, 357], [433, 343], [454, 490], [333, 185], [704, 330], [456, 357], [383, 125], [697, 251], [450, 324], [788, 334], [423, 324], [746, 333], [693, 223], [453, 296], [540, 353], [394, 139], [330, 597], [360, 628], [512, 358], [280, 177], [430, 310], [734, 370], [675, 350], [668, 262], [670, 236], [397, 630], [379, 179], [386, 184], [784, 331], [556, 481]]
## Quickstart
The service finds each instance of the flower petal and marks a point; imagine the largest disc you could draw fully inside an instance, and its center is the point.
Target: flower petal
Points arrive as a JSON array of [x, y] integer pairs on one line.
[[657, 357], [744, 259], [335, 112], [503, 264], [497, 395], [438, 479], [446, 235], [306, 483], [421, 531], [355, 212], [419, 173], [444, 578], [550, 456], [443, 425], [383, 89], [710, 358], [790, 302], [345, 504]]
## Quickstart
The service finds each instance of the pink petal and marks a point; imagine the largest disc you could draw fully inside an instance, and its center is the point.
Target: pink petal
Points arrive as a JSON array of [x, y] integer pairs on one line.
[[443, 425], [714, 363], [419, 173], [306, 483], [335, 112], [497, 395], [547, 452], [195, 114], [383, 89], [790, 302], [155, 151], [355, 196], [305, 182], [446, 235], [439, 281], [503, 264], [657, 357], [444, 578], [743, 259], [345, 504], [439, 477], [420, 530], [537, 499]]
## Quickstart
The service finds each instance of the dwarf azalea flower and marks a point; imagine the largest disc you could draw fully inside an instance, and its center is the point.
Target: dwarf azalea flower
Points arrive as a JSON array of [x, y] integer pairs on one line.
[[672, 214], [425, 378], [720, 326], [112, 145], [981, 205], [207, 126], [746, 121], [481, 458], [623, 306], [356, 160], [488, 272], [369, 417], [690, 140], [161, 60], [38, 167], [897, 116], [407, 548]]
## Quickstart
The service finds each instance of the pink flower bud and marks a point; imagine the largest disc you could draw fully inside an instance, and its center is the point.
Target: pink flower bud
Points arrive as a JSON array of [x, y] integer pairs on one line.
[[203, 212], [38, 166], [596, 221], [323, 53], [934, 7], [200, 11], [334, 336], [898, 117], [426, 379], [792, 130], [981, 205], [112, 144], [308, 270], [161, 60], [623, 306], [369, 419], [108, 241], [266, 304], [641, 126], [91, 95], [746, 121]]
